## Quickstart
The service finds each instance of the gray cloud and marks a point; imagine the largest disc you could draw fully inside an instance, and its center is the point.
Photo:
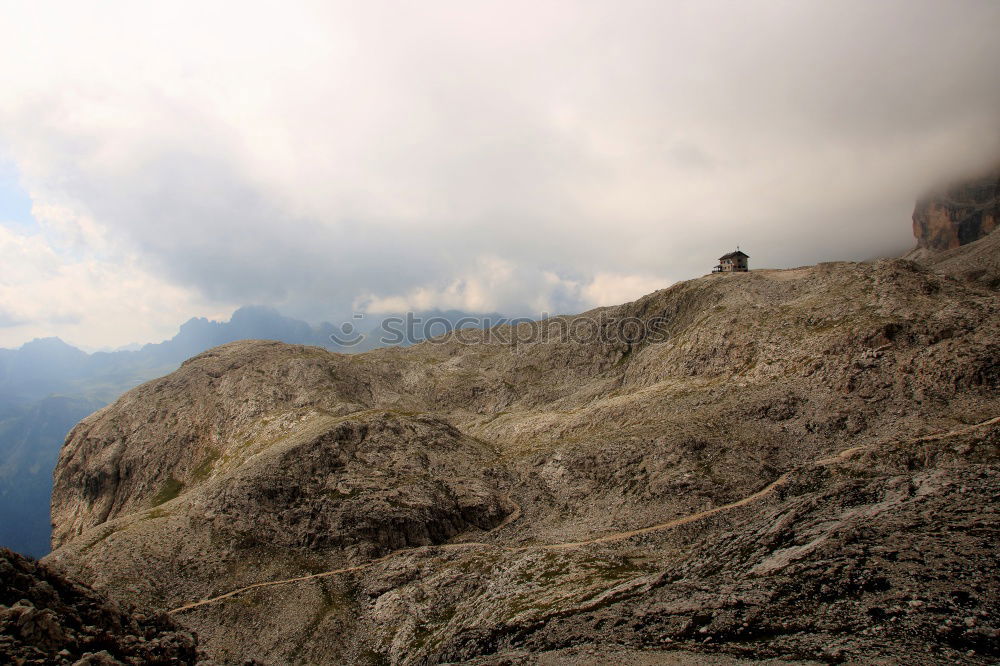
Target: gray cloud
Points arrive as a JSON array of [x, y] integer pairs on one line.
[[509, 157]]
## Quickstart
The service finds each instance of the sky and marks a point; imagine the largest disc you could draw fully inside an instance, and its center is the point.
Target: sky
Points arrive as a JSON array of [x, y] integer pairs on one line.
[[160, 161]]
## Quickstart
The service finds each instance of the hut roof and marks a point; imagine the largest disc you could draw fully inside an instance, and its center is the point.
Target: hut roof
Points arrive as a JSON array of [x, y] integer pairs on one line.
[[733, 255]]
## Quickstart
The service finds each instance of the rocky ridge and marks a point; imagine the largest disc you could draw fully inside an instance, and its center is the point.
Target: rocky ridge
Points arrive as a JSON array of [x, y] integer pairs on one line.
[[795, 464]]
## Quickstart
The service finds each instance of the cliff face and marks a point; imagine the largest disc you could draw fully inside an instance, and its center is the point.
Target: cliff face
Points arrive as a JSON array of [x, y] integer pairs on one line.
[[797, 463], [960, 214]]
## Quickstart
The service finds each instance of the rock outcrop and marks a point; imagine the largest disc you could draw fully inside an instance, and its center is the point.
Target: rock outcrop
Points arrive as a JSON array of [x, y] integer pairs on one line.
[[979, 262], [796, 464], [959, 214], [46, 619]]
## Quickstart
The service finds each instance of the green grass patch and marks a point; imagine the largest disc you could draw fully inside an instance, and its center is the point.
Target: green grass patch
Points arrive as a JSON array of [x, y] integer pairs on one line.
[[204, 468], [154, 514], [170, 489]]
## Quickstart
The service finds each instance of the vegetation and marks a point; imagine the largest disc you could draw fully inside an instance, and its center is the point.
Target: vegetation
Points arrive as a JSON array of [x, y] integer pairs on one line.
[[204, 469], [170, 489]]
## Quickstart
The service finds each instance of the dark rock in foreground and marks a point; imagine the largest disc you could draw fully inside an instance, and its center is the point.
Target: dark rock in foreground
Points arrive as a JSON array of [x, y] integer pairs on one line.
[[47, 619]]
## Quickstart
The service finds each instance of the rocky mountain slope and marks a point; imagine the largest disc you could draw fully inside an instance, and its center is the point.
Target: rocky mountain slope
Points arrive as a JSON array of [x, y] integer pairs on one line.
[[797, 464], [46, 619], [959, 214], [47, 386]]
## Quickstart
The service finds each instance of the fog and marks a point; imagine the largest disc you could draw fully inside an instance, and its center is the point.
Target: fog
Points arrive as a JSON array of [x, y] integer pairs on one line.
[[521, 157]]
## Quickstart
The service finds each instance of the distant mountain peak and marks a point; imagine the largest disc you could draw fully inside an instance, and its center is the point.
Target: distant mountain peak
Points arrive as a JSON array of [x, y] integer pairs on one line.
[[51, 342], [256, 310]]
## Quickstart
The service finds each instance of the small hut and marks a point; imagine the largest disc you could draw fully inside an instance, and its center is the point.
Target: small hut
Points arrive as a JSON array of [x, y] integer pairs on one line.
[[734, 262]]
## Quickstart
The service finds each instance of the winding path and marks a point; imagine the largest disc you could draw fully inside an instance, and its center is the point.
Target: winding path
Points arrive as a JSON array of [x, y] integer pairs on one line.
[[782, 480]]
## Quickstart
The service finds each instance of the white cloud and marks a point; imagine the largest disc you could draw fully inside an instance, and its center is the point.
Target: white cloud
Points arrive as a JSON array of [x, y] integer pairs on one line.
[[508, 156], [612, 288], [492, 284], [495, 285], [69, 231], [89, 302]]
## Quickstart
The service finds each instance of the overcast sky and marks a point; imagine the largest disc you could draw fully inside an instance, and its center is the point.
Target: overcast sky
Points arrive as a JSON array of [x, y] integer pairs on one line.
[[166, 160]]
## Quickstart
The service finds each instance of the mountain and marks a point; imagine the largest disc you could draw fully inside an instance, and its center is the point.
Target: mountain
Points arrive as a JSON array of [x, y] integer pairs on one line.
[[49, 366], [249, 322], [958, 214], [46, 386], [38, 368], [46, 619], [788, 464]]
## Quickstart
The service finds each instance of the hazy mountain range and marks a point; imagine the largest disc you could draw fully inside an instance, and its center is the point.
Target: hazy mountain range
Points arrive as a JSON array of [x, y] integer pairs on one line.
[[47, 386]]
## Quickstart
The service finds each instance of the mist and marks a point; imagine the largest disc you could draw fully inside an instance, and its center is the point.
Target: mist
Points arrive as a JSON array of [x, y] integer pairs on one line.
[[326, 158]]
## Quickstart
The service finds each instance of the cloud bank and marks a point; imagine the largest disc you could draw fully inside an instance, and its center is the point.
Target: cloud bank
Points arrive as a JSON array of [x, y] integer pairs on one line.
[[520, 157]]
